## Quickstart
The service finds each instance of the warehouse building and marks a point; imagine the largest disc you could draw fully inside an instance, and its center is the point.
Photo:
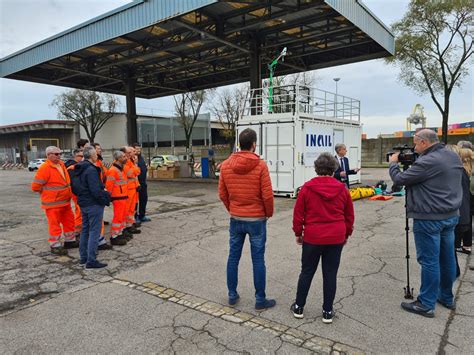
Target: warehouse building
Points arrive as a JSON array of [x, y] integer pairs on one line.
[[22, 142]]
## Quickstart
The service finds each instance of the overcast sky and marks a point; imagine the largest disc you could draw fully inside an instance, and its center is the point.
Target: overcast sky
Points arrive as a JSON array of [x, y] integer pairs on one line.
[[385, 102]]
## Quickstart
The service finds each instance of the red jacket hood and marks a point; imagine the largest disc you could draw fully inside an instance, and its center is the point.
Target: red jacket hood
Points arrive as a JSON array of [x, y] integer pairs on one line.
[[243, 162], [326, 187]]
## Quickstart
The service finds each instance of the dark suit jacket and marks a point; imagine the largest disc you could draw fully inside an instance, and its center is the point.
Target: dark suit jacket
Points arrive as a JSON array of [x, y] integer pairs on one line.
[[337, 173]]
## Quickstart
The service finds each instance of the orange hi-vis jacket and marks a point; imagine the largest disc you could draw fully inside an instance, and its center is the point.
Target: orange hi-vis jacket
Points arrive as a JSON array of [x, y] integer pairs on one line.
[[55, 189], [132, 171], [117, 184], [103, 170]]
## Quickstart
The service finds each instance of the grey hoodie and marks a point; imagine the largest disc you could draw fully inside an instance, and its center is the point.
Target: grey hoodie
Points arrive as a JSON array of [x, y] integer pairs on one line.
[[433, 182]]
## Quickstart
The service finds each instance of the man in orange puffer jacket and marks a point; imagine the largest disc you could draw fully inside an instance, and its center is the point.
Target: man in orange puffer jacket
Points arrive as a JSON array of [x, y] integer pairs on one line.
[[245, 189]]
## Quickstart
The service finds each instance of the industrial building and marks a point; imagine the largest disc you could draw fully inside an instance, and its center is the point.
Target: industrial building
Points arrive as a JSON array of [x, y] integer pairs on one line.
[[22, 142], [158, 131]]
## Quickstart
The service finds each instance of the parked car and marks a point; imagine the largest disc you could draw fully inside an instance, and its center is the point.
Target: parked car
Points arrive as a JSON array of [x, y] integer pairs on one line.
[[35, 164], [161, 160]]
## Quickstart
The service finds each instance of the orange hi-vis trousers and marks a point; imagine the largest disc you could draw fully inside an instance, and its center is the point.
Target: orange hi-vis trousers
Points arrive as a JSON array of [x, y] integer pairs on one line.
[[131, 206], [77, 216], [119, 219], [57, 217]]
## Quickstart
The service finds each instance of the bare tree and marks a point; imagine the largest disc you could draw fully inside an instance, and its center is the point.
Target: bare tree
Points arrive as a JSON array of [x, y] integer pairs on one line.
[[89, 109], [187, 108], [228, 107], [434, 42]]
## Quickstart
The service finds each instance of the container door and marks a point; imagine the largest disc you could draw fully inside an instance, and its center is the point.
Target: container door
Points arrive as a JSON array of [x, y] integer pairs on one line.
[[279, 155]]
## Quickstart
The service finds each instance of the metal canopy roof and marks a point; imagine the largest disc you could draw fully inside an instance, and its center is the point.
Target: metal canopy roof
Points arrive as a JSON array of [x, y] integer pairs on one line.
[[171, 46]]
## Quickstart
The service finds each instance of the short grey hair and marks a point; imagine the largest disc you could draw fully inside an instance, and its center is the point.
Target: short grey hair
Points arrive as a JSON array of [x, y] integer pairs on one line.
[[339, 146], [428, 135], [465, 144], [118, 154], [88, 152], [51, 148], [326, 164]]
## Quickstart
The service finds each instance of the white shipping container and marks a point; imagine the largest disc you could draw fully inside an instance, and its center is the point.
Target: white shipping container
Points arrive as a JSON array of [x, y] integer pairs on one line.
[[300, 126]]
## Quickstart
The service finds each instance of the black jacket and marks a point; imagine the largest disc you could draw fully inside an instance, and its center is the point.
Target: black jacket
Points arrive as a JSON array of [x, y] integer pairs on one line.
[[337, 173], [68, 163], [143, 170], [88, 188], [465, 209]]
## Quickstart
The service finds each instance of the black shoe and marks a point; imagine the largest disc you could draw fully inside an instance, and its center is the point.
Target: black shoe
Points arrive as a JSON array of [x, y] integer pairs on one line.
[[268, 303], [71, 245], [297, 311], [234, 301], [118, 241], [451, 306], [134, 230], [59, 251], [105, 247], [327, 316], [82, 262], [418, 308], [137, 225], [95, 265]]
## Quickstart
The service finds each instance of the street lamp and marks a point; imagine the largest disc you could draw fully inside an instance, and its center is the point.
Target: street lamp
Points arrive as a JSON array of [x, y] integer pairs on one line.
[[335, 101]]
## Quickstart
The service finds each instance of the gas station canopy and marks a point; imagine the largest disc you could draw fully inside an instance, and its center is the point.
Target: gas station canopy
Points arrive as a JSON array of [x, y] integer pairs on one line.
[[164, 47]]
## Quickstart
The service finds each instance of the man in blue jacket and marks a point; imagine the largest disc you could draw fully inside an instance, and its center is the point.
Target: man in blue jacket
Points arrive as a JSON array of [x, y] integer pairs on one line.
[[434, 194], [92, 198], [343, 172]]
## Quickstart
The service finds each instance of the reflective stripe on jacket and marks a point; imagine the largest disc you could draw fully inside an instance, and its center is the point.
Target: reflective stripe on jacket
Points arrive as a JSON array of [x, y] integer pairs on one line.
[[116, 183], [55, 189], [132, 171]]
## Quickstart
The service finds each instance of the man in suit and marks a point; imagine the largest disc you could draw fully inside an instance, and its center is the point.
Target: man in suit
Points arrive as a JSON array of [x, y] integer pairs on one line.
[[343, 172]]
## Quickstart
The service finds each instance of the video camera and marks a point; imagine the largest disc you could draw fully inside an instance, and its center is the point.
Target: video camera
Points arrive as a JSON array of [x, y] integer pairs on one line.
[[407, 154]]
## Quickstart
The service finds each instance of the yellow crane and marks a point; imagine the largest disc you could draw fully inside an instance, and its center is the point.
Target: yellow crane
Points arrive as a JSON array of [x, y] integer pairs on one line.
[[417, 117]]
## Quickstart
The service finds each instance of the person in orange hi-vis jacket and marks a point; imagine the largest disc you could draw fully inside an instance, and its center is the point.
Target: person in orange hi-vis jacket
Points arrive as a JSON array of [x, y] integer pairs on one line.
[[132, 171], [117, 185], [78, 155], [103, 176], [54, 185]]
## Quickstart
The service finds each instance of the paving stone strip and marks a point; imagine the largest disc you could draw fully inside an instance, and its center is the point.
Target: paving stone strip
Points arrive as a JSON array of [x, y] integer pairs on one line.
[[287, 334]]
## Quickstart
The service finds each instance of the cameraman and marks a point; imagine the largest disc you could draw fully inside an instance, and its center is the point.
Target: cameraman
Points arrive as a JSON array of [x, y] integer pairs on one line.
[[434, 196]]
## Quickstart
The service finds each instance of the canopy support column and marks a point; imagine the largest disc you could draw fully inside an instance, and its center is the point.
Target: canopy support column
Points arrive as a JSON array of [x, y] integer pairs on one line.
[[130, 85]]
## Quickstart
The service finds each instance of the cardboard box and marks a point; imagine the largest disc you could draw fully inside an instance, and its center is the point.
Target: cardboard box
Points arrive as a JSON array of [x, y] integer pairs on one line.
[[168, 174]]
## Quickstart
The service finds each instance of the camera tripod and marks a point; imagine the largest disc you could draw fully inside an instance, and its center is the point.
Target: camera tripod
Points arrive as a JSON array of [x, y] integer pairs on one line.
[[408, 290]]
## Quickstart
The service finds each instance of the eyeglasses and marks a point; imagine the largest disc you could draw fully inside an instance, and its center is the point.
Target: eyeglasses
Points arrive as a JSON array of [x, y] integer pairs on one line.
[[57, 154]]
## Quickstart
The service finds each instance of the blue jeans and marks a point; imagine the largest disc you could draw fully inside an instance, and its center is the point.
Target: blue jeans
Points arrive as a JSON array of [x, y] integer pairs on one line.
[[434, 241], [91, 226], [257, 232]]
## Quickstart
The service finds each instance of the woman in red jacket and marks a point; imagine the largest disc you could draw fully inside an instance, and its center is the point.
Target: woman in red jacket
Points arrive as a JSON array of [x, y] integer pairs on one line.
[[323, 219]]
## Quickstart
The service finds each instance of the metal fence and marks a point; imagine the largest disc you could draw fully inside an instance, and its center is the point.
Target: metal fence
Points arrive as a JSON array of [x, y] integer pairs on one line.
[[299, 99]]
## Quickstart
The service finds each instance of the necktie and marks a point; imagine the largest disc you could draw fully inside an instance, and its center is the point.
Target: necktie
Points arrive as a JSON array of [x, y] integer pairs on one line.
[[342, 164]]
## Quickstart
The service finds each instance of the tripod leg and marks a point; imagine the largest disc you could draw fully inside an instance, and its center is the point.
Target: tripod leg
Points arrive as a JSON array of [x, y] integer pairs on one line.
[[408, 289]]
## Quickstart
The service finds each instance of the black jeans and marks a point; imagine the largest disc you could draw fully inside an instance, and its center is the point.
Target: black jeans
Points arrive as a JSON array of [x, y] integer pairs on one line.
[[142, 200], [331, 256], [463, 233]]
